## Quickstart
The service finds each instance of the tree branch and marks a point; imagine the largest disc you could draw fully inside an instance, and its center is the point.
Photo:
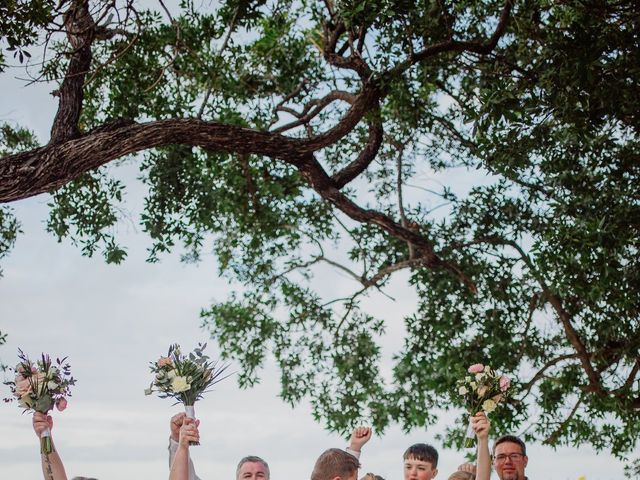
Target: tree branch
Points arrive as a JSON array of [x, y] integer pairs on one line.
[[323, 185], [80, 29], [551, 439], [46, 168], [367, 155], [540, 373], [452, 45], [595, 384], [362, 103], [308, 113]]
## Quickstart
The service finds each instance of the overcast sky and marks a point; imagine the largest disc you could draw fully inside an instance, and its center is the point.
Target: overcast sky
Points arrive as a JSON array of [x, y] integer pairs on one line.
[[111, 321]]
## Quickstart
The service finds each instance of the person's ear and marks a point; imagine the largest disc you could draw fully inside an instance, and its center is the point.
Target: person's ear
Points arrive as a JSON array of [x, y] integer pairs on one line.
[[525, 460], [435, 472]]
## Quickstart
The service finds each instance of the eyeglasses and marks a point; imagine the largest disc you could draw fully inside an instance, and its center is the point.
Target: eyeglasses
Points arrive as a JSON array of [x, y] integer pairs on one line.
[[514, 457]]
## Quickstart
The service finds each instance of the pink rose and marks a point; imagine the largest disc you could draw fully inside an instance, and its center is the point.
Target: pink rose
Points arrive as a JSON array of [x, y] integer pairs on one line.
[[165, 361], [23, 387], [476, 368], [505, 383], [61, 404]]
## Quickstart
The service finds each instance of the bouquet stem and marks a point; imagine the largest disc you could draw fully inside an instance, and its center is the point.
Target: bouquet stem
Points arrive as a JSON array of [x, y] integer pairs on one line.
[[469, 436], [45, 442], [191, 413]]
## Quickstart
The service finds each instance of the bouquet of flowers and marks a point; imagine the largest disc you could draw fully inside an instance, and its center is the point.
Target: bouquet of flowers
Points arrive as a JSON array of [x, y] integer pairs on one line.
[[482, 390], [185, 377], [40, 385]]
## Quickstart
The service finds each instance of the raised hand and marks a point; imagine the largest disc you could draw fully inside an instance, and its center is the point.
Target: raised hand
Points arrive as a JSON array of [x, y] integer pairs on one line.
[[175, 424], [481, 425], [41, 422], [189, 432], [359, 437]]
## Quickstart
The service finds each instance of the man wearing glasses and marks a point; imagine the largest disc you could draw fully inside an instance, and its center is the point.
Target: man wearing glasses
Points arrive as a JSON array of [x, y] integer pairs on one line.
[[510, 458]]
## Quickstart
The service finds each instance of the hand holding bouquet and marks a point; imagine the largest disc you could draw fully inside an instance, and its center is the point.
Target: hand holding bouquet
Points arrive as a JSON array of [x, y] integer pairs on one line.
[[185, 377], [38, 386], [482, 391]]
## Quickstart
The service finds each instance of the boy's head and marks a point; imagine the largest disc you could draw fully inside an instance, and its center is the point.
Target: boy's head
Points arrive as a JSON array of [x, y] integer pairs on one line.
[[420, 462], [461, 476], [372, 476], [335, 464]]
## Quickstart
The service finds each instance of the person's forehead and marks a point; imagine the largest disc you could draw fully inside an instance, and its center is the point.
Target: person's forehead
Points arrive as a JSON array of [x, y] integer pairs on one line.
[[415, 461], [252, 467], [508, 447]]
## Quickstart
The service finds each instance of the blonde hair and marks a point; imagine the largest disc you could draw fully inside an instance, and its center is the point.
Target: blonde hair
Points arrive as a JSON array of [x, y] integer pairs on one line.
[[334, 463], [461, 476], [372, 476]]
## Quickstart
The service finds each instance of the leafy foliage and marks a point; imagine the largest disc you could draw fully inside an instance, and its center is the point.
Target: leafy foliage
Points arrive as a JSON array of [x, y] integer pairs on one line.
[[533, 268]]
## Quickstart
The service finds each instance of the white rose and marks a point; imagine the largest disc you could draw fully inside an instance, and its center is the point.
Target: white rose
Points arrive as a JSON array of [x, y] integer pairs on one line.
[[179, 384], [51, 385], [463, 390], [488, 406]]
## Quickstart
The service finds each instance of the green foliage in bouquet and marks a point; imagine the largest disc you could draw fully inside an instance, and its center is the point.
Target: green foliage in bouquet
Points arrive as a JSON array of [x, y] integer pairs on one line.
[[185, 377], [40, 385]]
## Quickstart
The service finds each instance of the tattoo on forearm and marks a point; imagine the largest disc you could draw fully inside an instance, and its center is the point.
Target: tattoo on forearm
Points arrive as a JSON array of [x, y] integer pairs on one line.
[[48, 472]]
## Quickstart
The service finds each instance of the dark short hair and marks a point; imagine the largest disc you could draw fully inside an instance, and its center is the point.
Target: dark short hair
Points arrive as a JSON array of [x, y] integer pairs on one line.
[[334, 463], [510, 439], [252, 459], [422, 452]]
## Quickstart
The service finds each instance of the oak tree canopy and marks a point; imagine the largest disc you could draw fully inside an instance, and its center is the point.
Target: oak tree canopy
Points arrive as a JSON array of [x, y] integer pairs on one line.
[[284, 135]]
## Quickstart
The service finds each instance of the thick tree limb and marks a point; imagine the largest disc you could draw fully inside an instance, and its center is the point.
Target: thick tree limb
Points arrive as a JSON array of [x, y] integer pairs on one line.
[[46, 168], [363, 103], [368, 154], [80, 29]]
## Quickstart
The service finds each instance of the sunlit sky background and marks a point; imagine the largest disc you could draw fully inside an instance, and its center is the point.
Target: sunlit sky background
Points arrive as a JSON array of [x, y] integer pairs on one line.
[[111, 321]]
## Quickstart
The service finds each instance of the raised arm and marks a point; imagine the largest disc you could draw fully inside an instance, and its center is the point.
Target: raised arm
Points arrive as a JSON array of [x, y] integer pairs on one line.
[[359, 437], [481, 427], [52, 467], [174, 442], [180, 466]]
